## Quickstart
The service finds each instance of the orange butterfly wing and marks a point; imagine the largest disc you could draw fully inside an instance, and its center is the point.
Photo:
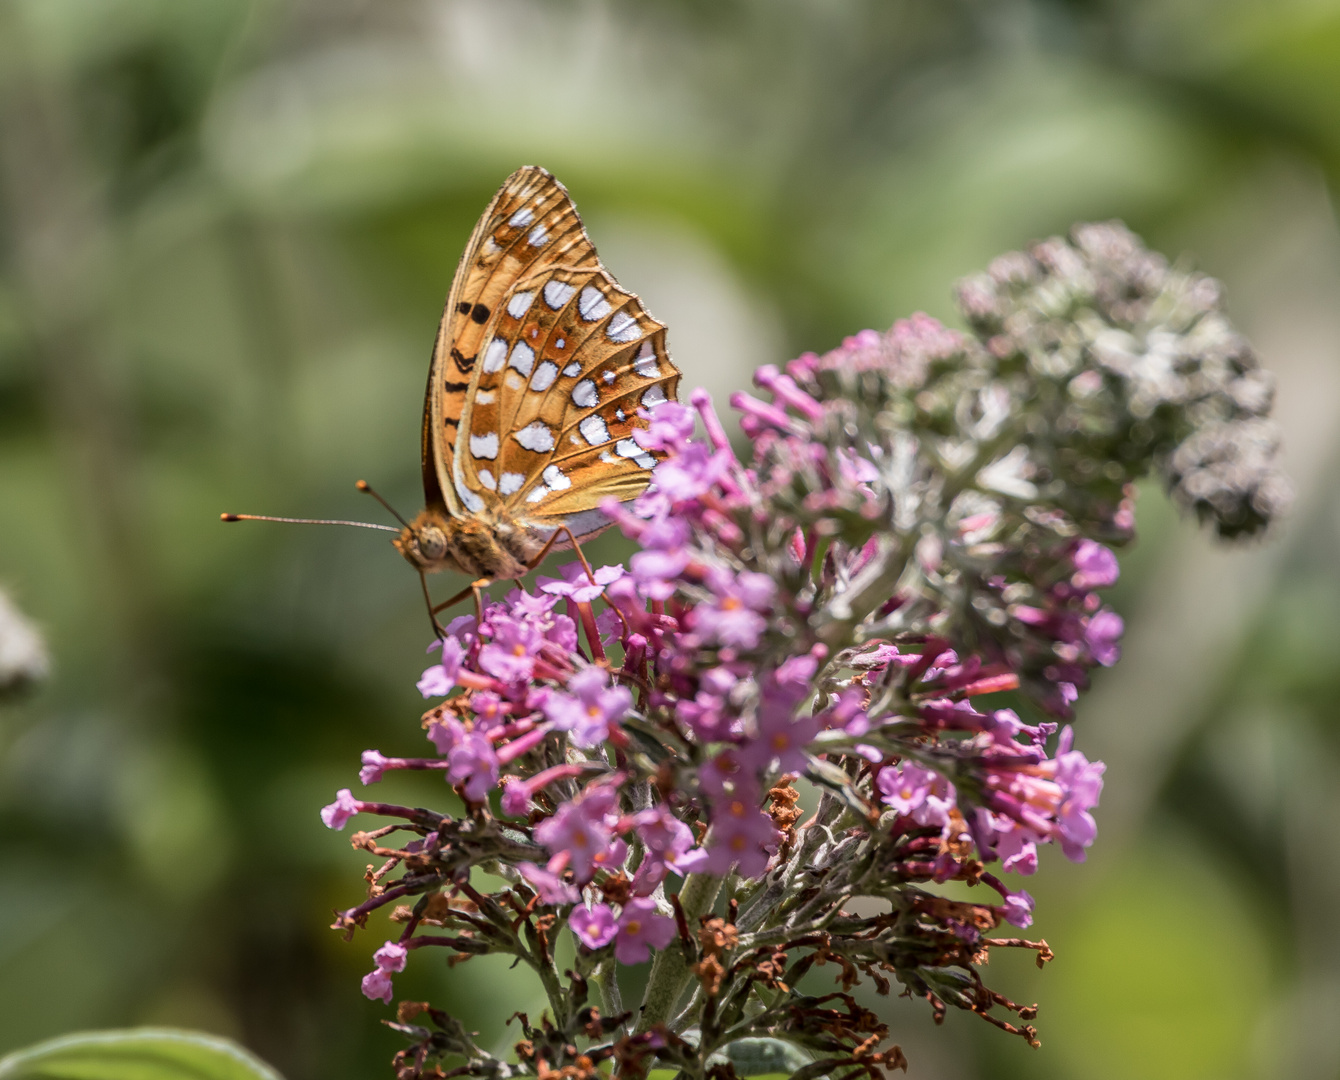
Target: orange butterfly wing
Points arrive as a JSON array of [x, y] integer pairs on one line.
[[531, 221], [558, 371]]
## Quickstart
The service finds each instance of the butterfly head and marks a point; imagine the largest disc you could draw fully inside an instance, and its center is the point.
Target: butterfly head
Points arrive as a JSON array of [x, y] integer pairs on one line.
[[424, 543]]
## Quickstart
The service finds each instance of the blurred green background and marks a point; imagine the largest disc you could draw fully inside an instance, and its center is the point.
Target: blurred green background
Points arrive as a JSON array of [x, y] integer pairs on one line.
[[226, 230]]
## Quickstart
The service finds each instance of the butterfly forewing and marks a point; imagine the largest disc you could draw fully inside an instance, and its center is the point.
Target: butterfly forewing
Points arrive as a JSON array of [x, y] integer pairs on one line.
[[530, 223], [548, 433]]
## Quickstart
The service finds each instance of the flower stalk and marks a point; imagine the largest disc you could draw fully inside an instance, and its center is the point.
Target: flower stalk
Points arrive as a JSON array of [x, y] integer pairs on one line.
[[671, 971]]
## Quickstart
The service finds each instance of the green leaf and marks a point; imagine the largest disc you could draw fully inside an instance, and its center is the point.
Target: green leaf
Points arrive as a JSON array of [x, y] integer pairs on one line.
[[135, 1054], [761, 1056]]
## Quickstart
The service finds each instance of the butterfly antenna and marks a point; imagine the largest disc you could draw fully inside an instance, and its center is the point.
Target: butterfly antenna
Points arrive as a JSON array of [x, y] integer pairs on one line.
[[363, 485], [306, 521]]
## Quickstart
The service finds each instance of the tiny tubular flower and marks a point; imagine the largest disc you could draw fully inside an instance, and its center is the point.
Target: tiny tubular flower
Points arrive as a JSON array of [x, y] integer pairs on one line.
[[377, 986], [338, 813], [641, 929], [439, 680], [474, 764], [511, 652], [1095, 566], [581, 830], [550, 887], [575, 585], [590, 708], [595, 927], [374, 764]]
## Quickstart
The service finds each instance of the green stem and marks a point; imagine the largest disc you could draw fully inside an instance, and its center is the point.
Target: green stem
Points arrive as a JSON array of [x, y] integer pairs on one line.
[[670, 971], [611, 999]]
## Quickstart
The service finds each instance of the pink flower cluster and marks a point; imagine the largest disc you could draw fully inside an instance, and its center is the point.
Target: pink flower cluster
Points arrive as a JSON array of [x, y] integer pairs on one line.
[[733, 681], [809, 684]]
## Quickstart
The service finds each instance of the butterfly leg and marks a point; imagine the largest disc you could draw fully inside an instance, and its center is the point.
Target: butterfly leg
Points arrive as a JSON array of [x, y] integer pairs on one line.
[[474, 587], [590, 574], [478, 587], [575, 547], [432, 611], [586, 566]]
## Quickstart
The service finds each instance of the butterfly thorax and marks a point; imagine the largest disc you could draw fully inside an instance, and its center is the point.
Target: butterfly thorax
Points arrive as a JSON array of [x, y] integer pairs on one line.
[[498, 547]]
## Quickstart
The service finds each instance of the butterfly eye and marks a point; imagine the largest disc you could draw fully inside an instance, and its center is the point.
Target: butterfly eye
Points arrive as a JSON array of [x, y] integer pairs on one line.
[[432, 543]]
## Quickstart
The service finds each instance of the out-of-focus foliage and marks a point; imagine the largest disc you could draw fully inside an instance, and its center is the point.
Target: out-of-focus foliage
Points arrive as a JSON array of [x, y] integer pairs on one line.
[[135, 1054], [226, 230]]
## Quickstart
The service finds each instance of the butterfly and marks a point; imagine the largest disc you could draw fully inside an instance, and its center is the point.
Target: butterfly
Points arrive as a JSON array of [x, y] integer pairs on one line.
[[543, 368]]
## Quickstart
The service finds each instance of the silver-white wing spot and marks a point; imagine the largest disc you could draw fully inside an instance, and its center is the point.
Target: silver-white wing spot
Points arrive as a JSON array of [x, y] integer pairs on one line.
[[554, 477], [572, 369], [584, 394], [627, 448], [558, 293], [486, 478], [523, 358], [645, 361], [495, 356], [484, 446], [592, 305], [520, 304], [511, 482], [607, 377], [559, 343], [623, 328], [608, 458], [521, 218], [537, 235], [653, 397], [545, 375], [484, 397], [593, 430], [536, 437], [469, 499], [620, 416], [538, 494]]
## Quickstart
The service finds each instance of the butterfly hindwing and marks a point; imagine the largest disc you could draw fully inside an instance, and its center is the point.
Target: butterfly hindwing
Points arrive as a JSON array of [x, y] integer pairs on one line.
[[530, 223], [541, 366], [569, 362]]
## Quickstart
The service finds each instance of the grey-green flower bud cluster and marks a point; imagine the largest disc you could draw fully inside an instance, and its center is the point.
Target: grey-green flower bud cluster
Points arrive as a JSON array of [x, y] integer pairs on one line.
[[1143, 364]]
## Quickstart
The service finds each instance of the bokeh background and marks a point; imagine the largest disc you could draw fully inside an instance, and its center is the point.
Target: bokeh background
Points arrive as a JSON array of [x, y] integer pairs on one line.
[[226, 230]]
